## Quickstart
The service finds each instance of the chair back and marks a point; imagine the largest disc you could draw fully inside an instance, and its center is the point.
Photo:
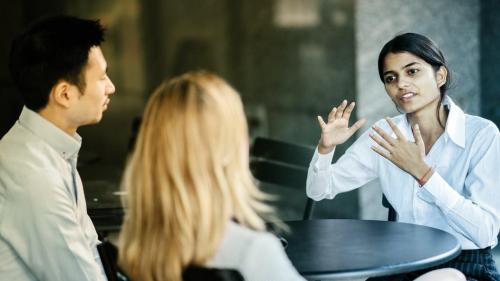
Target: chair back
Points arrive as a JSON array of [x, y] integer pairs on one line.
[[392, 215], [109, 258], [286, 164], [196, 273], [282, 163]]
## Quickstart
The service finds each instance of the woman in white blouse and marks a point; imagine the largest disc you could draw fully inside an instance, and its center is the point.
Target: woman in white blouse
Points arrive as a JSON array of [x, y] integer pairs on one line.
[[190, 195], [437, 165]]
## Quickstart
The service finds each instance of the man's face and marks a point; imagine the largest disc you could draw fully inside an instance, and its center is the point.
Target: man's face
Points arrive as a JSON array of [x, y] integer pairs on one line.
[[89, 107]]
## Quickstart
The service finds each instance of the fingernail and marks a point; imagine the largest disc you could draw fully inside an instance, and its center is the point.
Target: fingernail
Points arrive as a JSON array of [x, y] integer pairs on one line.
[[417, 127]]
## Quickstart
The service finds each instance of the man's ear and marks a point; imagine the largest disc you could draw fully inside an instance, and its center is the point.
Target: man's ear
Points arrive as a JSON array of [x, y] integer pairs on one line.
[[441, 76], [62, 93]]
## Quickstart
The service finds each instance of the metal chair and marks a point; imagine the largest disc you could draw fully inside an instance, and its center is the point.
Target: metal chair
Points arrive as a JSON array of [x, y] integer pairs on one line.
[[109, 258], [392, 213], [284, 164], [195, 273]]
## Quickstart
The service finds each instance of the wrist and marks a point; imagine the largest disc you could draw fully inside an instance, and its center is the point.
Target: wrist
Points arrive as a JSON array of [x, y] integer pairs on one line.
[[420, 171], [424, 176], [325, 149]]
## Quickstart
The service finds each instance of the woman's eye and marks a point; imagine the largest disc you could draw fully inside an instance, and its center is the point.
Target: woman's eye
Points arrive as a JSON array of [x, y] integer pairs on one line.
[[389, 79], [413, 71]]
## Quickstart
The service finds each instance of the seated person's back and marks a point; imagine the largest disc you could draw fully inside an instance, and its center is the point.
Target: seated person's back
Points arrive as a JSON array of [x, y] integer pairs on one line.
[[253, 253], [188, 181]]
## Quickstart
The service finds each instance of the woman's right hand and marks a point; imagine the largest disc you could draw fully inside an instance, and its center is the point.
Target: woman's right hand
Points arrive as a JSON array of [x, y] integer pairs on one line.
[[336, 131]]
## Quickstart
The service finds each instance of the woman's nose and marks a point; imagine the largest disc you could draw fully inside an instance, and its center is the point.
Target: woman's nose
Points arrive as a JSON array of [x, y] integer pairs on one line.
[[403, 83]]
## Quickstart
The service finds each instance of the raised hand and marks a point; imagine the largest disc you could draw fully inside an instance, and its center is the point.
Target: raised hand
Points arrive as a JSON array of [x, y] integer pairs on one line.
[[407, 155], [336, 131]]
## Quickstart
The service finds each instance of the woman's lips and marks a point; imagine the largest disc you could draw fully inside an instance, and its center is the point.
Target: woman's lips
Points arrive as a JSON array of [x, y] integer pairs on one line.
[[407, 97]]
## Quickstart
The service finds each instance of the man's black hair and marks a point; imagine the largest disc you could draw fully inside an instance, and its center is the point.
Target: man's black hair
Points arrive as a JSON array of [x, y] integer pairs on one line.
[[51, 50]]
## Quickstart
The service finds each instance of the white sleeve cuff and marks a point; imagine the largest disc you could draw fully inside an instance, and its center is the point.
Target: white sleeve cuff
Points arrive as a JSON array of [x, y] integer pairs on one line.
[[437, 190], [321, 162]]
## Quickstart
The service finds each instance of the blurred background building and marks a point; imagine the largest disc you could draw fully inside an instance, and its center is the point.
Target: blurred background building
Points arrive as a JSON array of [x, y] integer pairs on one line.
[[291, 60]]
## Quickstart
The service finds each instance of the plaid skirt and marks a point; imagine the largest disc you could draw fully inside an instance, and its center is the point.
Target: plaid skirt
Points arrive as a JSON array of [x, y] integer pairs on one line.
[[476, 265]]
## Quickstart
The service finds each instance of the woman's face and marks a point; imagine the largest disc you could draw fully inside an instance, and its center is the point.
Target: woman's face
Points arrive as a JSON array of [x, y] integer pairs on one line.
[[411, 82]]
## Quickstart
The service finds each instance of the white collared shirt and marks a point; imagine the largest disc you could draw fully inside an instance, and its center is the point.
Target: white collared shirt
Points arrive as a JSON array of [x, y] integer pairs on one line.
[[45, 232], [462, 197]]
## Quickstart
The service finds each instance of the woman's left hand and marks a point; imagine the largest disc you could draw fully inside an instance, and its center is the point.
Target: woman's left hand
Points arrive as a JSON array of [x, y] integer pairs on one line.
[[407, 155]]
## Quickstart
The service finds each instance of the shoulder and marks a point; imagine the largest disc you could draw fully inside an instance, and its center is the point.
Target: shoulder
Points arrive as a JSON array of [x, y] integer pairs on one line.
[[260, 242], [27, 166], [242, 240], [475, 124], [482, 138], [480, 131], [256, 255], [20, 149], [241, 244]]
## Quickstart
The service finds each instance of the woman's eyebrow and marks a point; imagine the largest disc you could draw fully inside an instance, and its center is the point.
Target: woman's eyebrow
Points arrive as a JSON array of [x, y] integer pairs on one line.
[[408, 65]]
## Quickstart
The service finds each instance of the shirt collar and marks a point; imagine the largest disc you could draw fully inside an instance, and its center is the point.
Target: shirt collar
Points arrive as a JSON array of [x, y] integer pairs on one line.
[[455, 125], [66, 145]]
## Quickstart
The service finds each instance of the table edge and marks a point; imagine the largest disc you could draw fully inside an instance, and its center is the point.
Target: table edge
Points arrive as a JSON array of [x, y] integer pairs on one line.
[[389, 270]]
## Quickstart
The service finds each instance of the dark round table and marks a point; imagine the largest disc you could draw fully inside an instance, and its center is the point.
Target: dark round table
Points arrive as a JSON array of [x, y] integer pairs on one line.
[[342, 249]]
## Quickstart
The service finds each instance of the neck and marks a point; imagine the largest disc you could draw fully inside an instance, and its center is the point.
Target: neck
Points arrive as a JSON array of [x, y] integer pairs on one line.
[[431, 127], [56, 117]]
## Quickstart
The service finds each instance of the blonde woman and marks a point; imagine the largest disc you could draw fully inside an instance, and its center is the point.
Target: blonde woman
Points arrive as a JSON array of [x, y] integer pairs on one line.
[[191, 198]]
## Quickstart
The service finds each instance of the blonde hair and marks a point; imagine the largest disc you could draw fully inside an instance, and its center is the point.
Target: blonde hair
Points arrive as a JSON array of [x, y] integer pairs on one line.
[[187, 178]]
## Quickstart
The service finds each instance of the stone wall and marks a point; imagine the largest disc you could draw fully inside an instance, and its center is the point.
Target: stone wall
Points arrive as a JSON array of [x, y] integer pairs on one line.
[[490, 60]]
